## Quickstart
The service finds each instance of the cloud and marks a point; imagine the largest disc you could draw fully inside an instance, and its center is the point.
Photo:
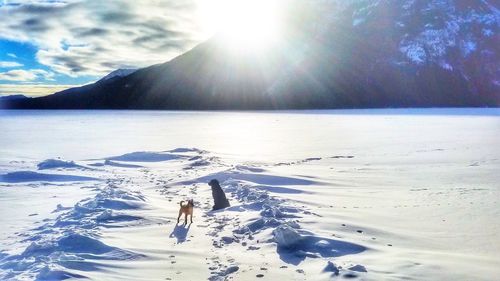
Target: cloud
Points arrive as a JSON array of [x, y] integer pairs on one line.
[[32, 90], [9, 64], [22, 75], [12, 55], [92, 38]]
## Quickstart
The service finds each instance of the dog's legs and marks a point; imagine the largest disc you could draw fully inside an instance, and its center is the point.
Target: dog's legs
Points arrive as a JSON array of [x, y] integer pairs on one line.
[[185, 218], [191, 217], [180, 214]]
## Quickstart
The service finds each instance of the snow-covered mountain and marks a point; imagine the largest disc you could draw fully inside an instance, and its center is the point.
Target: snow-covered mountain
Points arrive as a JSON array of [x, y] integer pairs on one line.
[[403, 53], [340, 54], [461, 28], [122, 72], [460, 36]]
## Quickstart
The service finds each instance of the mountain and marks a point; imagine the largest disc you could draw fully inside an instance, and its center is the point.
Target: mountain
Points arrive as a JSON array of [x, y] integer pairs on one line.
[[122, 72], [13, 97], [210, 76], [405, 53], [338, 54]]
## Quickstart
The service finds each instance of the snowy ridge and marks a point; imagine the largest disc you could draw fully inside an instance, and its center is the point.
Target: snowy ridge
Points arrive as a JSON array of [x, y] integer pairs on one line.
[[71, 242], [58, 163], [30, 176], [122, 72]]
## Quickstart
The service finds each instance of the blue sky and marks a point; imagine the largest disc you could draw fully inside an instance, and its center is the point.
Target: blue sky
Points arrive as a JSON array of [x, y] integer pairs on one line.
[[49, 45], [23, 54]]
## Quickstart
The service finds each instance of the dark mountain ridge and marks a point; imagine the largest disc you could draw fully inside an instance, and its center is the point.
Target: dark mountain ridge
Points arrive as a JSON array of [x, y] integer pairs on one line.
[[343, 54]]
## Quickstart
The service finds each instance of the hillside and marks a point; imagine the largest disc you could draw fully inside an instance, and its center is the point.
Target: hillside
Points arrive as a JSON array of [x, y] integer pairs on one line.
[[356, 54]]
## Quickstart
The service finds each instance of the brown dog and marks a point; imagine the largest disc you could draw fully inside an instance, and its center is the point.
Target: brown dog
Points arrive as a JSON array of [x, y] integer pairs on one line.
[[186, 210]]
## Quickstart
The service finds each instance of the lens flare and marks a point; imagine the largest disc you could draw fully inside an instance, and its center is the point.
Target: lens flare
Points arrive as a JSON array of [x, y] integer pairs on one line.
[[244, 24]]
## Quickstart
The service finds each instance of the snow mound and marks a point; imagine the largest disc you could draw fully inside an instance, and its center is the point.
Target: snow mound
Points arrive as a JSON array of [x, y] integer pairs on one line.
[[111, 198], [286, 237], [71, 241], [29, 176], [186, 150], [52, 273], [358, 268], [298, 162], [243, 174], [279, 189], [120, 165], [144, 156], [223, 273], [57, 163], [60, 208], [115, 164], [331, 267], [249, 169]]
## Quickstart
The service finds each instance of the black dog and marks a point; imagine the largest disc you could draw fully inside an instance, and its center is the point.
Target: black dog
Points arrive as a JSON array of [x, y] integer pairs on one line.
[[220, 200]]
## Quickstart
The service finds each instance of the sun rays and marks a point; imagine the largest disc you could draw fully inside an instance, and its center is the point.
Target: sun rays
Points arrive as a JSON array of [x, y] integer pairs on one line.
[[244, 24]]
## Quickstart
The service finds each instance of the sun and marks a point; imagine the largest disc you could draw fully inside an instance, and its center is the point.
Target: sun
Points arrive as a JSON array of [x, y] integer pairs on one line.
[[244, 24]]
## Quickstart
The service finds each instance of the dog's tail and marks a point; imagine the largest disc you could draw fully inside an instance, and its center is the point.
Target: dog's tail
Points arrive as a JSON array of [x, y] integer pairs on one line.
[[180, 203]]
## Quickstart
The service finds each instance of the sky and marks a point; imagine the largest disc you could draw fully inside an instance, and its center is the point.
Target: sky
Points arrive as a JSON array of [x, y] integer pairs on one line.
[[50, 45]]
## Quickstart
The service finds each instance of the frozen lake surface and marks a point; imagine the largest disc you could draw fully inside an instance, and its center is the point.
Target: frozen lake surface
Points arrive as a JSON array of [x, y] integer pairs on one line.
[[367, 194]]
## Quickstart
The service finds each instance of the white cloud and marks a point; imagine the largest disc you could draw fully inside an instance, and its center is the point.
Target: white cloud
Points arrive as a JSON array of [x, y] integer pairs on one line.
[[21, 75], [9, 64], [12, 55], [83, 37], [32, 90]]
